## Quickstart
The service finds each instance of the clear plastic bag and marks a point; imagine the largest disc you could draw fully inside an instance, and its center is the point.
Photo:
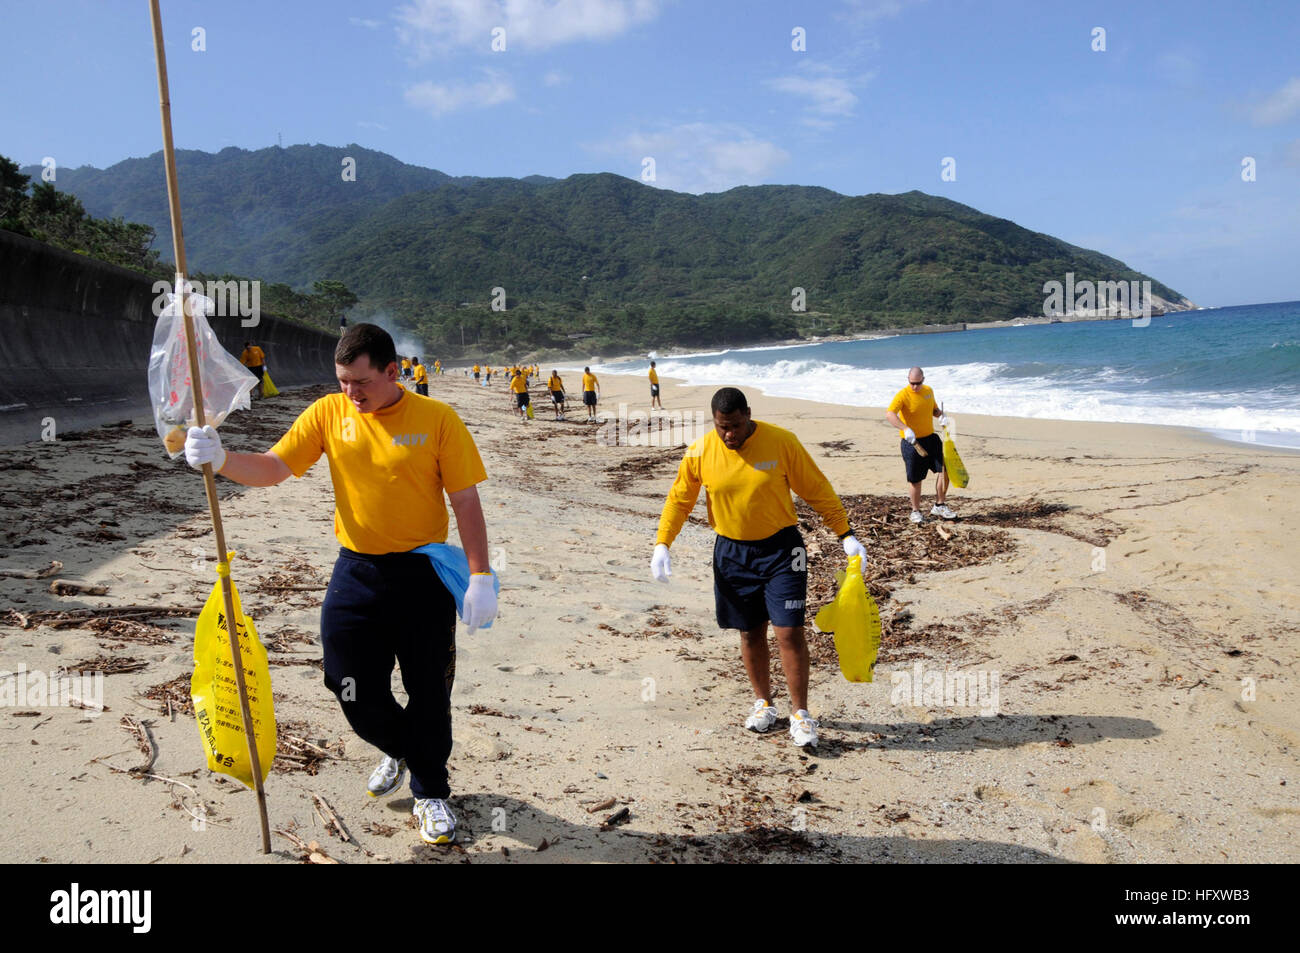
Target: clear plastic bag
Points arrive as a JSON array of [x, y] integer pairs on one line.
[[226, 382]]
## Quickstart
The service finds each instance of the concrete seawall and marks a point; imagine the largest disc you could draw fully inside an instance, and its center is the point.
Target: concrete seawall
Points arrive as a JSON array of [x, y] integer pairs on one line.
[[75, 335]]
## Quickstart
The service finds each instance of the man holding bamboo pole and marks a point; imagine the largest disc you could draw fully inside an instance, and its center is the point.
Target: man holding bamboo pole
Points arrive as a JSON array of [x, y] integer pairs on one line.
[[392, 454]]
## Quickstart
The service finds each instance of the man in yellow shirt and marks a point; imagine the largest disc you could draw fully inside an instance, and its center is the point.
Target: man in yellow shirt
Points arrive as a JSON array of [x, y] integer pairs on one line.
[[406, 367], [420, 375], [392, 454], [654, 388], [913, 411], [519, 387], [556, 386], [590, 393], [760, 565], [254, 359], [437, 367], [476, 373]]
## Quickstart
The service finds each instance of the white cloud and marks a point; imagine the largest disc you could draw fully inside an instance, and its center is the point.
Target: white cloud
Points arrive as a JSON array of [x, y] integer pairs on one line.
[[827, 94], [437, 99], [1278, 106], [698, 157], [368, 24], [429, 25]]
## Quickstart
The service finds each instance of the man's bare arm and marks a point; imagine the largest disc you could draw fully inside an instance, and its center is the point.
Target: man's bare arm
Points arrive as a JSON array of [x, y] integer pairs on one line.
[[473, 529], [255, 469], [895, 420]]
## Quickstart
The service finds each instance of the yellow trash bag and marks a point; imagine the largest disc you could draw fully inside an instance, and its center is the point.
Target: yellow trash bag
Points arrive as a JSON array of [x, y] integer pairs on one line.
[[855, 621], [957, 474], [529, 408], [268, 388], [216, 697]]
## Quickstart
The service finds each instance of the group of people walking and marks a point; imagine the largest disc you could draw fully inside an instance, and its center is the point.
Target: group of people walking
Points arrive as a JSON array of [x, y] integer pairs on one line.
[[394, 454]]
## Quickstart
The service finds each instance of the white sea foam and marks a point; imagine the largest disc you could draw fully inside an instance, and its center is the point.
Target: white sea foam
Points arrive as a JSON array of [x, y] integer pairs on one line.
[[982, 388]]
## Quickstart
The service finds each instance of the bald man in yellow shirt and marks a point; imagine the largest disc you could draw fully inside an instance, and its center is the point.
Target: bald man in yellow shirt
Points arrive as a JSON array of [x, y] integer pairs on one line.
[[392, 455], [912, 411], [760, 566]]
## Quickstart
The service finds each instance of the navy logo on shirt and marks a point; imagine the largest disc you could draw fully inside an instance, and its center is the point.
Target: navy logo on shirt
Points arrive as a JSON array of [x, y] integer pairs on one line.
[[765, 465], [409, 439]]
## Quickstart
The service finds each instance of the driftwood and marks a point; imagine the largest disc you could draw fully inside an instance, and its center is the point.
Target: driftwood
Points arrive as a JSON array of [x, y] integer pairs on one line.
[[74, 587], [54, 567]]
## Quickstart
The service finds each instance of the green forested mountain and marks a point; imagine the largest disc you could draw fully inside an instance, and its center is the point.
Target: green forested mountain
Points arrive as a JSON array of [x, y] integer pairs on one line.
[[598, 258]]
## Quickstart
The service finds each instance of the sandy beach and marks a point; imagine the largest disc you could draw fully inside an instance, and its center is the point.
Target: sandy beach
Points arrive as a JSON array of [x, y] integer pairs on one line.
[[1125, 595]]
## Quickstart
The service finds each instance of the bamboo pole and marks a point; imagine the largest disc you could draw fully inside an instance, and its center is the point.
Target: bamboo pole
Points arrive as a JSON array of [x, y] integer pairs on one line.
[[209, 477]]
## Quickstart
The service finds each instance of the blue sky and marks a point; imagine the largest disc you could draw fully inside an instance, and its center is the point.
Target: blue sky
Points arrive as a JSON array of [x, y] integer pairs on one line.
[[1135, 150]]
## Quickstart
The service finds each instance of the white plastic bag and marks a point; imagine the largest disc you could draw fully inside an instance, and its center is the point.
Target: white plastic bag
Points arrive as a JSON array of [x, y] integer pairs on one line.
[[226, 382]]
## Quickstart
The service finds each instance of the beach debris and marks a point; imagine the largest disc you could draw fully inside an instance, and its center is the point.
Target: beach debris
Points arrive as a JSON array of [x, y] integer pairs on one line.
[[52, 569], [293, 752], [108, 664], [618, 817], [333, 823], [144, 740], [173, 695], [78, 618], [311, 851], [604, 805], [73, 587]]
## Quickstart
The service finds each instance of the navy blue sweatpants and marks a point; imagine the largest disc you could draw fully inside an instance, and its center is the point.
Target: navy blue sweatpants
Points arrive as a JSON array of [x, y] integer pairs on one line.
[[381, 610]]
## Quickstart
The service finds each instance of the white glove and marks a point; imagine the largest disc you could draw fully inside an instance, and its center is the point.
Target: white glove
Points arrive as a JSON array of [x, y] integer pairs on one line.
[[945, 421], [854, 548], [661, 564], [204, 446], [909, 435], [479, 607]]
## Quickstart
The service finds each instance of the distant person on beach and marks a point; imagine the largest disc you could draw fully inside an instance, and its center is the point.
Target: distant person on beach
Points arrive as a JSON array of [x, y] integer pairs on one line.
[[760, 572], [391, 458], [519, 387], [476, 373], [406, 368], [556, 386], [254, 358], [437, 367], [590, 393], [488, 372], [913, 411], [420, 376], [654, 388]]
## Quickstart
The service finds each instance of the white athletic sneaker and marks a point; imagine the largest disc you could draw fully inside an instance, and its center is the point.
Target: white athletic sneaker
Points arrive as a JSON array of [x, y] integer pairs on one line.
[[387, 778], [917, 517], [803, 729], [941, 509], [437, 823], [763, 716]]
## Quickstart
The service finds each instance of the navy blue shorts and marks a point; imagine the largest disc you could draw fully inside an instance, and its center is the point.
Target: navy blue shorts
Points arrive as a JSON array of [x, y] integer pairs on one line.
[[760, 580], [589, 398], [918, 466]]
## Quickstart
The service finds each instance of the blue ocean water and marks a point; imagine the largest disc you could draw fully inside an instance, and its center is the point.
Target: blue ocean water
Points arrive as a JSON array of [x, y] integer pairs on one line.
[[1231, 371]]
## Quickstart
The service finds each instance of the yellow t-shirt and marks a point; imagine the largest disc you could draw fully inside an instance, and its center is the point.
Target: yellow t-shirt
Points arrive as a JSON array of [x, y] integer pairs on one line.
[[421, 373], [555, 383], [916, 409], [406, 365], [749, 489], [588, 381], [476, 369], [518, 384], [389, 468], [654, 376], [252, 357]]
